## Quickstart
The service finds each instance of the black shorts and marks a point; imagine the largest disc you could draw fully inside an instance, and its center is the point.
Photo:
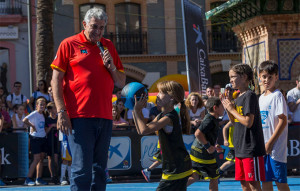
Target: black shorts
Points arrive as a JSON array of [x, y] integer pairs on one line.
[[206, 171], [38, 145], [157, 156], [173, 185], [231, 155], [52, 145]]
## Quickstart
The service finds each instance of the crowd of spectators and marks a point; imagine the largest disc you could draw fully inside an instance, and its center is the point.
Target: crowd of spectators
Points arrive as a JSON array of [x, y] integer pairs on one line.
[[16, 111], [15, 106]]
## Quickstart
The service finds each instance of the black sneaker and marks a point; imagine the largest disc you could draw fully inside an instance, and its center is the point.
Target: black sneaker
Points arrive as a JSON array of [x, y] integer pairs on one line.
[[55, 180]]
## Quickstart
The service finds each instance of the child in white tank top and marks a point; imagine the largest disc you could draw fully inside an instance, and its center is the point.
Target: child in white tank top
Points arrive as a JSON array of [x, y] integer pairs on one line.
[[17, 119]]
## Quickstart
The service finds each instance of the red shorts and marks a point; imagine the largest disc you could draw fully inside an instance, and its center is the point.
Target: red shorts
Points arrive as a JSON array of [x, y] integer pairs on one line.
[[250, 169]]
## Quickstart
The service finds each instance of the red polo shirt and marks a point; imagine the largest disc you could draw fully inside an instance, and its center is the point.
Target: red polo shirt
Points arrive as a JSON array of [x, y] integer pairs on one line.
[[87, 85]]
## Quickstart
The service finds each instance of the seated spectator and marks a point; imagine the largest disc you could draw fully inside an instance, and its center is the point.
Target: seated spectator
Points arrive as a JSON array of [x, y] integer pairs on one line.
[[118, 95], [196, 110], [228, 91], [1, 126], [2, 94], [209, 92], [6, 116], [204, 98], [293, 100], [227, 94], [42, 91], [150, 105], [145, 112], [154, 111], [17, 119], [50, 93], [121, 108], [117, 119], [16, 98]]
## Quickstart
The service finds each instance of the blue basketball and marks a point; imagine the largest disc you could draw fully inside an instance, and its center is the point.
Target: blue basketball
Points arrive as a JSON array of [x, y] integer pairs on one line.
[[129, 91]]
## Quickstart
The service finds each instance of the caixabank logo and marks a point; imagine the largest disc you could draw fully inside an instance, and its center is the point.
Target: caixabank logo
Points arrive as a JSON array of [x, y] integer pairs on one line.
[[199, 34], [119, 154]]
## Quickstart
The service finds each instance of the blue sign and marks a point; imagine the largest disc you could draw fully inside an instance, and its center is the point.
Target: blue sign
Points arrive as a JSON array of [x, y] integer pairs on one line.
[[119, 153]]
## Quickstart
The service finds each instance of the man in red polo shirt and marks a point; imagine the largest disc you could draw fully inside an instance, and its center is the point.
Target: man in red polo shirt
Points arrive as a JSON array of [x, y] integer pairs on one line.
[[82, 82]]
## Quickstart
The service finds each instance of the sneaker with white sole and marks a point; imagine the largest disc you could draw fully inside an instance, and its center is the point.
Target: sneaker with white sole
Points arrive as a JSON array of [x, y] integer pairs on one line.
[[63, 181], [29, 182], [146, 174], [40, 181]]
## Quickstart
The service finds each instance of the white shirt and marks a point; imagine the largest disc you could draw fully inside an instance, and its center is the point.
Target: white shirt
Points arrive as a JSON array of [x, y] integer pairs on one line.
[[196, 115], [39, 122], [19, 121], [145, 112], [292, 96], [16, 99], [271, 106]]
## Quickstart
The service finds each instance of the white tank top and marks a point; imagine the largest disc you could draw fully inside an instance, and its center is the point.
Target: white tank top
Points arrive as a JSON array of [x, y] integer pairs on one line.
[[20, 122], [196, 115]]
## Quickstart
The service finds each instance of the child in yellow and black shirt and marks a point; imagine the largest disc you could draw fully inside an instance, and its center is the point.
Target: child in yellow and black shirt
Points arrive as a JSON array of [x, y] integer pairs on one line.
[[202, 151]]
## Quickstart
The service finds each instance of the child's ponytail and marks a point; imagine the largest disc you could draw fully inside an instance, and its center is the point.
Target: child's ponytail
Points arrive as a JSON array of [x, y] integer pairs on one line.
[[175, 90], [185, 119]]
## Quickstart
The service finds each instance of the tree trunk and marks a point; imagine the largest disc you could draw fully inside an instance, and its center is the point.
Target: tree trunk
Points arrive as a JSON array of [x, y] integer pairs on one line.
[[44, 40]]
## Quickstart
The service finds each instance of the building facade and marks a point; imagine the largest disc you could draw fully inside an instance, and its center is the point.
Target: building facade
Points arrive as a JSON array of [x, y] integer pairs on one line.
[[148, 34], [14, 43], [268, 30]]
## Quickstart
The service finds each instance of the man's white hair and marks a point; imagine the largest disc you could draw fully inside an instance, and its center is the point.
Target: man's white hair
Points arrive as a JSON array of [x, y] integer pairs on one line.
[[95, 13]]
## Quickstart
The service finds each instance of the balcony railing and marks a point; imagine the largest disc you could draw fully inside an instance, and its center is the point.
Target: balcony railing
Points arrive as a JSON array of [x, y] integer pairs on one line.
[[7, 8], [222, 42], [129, 43]]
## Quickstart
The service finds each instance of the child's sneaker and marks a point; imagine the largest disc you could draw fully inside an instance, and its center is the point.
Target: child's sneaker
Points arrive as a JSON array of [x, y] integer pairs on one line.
[[40, 181], [63, 182], [146, 174], [29, 182], [55, 180], [108, 180]]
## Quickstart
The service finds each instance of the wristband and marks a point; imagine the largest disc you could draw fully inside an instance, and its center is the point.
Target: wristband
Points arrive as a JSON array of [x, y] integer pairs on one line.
[[207, 145]]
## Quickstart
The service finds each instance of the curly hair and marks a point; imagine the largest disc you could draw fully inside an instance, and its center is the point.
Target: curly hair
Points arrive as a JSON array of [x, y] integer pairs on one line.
[[188, 100]]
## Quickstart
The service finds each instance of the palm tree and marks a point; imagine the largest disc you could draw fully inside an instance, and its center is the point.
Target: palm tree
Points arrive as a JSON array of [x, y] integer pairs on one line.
[[44, 39]]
